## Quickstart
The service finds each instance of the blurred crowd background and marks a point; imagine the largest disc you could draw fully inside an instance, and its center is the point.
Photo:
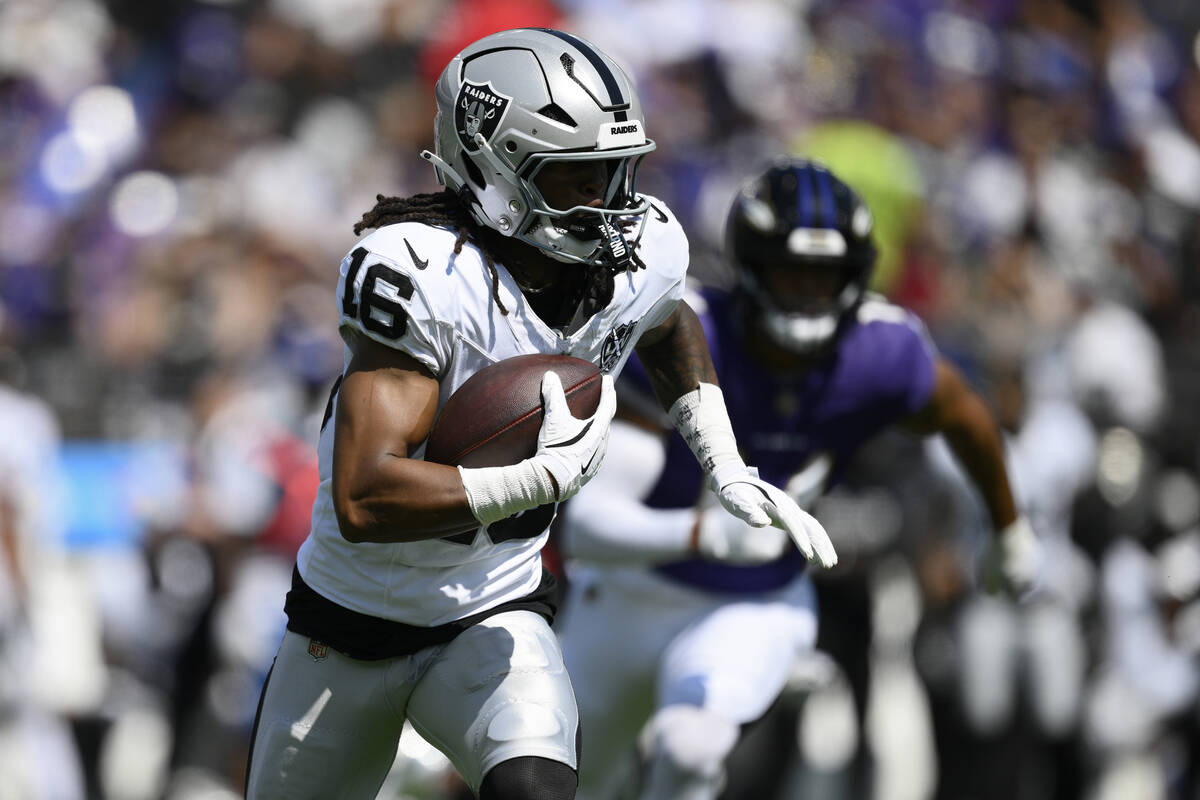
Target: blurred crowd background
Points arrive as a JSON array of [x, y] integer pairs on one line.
[[178, 182]]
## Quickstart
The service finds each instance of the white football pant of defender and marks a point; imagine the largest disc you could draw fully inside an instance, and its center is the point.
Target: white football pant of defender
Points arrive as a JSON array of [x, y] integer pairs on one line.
[[694, 665]]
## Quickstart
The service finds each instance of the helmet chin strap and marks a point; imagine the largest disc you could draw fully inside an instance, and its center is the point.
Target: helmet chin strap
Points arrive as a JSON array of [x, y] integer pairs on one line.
[[616, 253]]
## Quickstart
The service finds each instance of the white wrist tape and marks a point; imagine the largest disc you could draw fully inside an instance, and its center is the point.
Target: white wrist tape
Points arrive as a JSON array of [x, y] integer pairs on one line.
[[701, 418], [496, 493]]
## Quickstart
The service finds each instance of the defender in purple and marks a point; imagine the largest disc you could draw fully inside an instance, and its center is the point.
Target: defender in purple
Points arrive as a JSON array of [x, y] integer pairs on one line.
[[681, 626]]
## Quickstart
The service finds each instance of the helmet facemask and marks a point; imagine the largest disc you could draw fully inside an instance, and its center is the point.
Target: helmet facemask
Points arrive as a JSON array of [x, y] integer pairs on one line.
[[605, 234], [807, 330]]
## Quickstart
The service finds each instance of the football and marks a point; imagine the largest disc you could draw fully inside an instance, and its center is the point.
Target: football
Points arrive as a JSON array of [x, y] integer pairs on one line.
[[493, 419]]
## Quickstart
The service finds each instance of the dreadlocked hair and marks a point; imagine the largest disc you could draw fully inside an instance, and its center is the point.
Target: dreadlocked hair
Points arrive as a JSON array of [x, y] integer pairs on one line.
[[626, 225], [443, 209]]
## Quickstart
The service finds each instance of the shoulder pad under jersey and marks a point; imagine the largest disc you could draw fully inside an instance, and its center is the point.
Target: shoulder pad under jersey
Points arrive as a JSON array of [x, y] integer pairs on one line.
[[664, 245], [403, 286]]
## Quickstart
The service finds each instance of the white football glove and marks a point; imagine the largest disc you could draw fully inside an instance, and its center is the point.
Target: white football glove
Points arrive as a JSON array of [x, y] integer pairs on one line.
[[1021, 555], [569, 453], [570, 449], [721, 536], [758, 503]]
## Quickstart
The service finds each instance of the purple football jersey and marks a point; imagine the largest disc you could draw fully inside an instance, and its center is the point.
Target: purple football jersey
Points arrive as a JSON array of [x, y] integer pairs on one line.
[[880, 372]]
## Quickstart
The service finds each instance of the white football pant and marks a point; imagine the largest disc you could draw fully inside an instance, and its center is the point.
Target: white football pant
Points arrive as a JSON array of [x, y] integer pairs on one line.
[[695, 666], [330, 725]]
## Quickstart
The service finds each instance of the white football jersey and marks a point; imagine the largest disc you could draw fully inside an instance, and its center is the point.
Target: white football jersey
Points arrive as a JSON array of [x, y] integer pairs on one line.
[[403, 286]]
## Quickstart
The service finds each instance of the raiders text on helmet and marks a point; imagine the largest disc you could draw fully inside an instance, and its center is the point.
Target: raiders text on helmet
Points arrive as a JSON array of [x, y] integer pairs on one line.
[[794, 218], [515, 101]]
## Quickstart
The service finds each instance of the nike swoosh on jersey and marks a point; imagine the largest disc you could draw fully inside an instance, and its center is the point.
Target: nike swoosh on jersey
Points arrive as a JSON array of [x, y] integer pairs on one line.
[[419, 263], [658, 213]]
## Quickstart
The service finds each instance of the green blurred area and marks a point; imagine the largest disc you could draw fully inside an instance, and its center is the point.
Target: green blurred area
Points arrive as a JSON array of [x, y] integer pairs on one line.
[[883, 171]]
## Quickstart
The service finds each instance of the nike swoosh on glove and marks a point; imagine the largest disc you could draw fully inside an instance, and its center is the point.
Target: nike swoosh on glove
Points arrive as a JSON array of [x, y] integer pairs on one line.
[[571, 449], [758, 503]]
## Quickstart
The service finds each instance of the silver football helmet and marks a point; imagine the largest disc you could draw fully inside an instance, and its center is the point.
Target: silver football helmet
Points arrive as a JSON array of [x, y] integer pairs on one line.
[[518, 100]]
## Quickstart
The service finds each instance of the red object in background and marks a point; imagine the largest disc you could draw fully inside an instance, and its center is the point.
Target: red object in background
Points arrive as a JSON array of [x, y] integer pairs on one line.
[[292, 463], [469, 20], [552, 559], [918, 287]]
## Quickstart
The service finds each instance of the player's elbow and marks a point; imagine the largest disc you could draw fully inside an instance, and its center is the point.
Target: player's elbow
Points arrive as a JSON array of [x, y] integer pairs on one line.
[[974, 419], [353, 521], [354, 518], [369, 518]]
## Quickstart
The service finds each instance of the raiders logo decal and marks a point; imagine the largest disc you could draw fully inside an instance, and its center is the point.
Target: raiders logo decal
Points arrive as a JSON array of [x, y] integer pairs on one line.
[[614, 345], [478, 110]]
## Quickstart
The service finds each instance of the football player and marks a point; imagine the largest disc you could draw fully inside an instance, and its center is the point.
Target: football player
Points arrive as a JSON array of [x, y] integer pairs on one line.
[[419, 593], [711, 615]]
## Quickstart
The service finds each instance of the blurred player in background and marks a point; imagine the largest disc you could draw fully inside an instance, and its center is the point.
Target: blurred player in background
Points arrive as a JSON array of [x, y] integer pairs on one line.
[[420, 593], [49, 643], [682, 624]]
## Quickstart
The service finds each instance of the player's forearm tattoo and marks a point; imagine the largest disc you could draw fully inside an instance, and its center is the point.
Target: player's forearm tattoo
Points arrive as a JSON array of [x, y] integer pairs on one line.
[[677, 361]]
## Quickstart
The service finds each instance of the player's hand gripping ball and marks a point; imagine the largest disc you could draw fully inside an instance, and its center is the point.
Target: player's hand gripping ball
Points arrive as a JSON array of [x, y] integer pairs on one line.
[[493, 419]]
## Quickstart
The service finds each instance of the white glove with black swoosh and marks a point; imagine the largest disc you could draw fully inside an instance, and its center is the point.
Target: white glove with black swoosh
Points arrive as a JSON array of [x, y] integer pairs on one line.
[[701, 418], [571, 449], [569, 453]]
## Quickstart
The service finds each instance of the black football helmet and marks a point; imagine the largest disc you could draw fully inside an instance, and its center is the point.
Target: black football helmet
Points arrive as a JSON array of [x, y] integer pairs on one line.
[[800, 241]]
